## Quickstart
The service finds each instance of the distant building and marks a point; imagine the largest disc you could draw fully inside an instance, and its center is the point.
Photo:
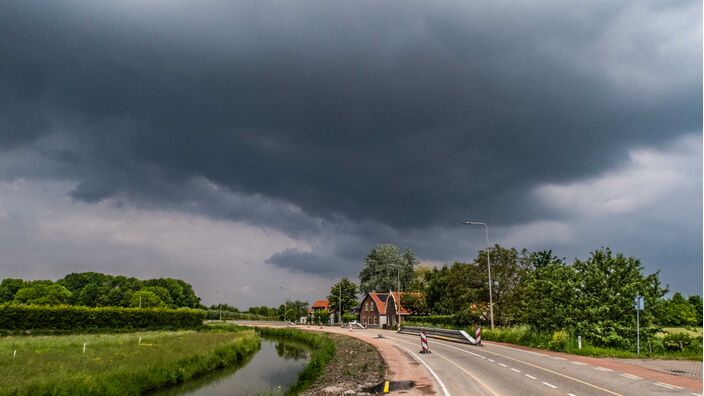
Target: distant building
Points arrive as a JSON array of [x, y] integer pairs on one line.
[[382, 310]]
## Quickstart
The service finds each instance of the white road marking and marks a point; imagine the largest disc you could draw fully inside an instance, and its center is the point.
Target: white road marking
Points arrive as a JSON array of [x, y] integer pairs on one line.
[[580, 363], [529, 376], [492, 360], [549, 384], [695, 394], [670, 385], [532, 365], [660, 384], [602, 369], [502, 365], [518, 371], [631, 376], [444, 389], [571, 394], [558, 358]]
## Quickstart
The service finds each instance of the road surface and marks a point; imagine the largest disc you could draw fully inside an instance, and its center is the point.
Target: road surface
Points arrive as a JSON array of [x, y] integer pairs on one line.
[[457, 369], [496, 369]]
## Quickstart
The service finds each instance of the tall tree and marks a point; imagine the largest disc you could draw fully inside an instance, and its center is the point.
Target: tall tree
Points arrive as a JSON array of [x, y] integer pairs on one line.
[[385, 266], [348, 290]]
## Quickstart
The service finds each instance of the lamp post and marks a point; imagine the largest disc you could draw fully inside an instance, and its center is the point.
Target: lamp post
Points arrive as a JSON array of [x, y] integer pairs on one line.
[[398, 283], [339, 302], [488, 266]]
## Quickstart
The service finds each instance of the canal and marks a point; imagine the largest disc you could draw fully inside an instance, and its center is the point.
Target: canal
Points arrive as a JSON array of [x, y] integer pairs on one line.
[[271, 370]]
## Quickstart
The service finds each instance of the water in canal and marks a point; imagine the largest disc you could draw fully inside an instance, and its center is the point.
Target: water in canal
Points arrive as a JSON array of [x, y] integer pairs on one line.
[[272, 369]]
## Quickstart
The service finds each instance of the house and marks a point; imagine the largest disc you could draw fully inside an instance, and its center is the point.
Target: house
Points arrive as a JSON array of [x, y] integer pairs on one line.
[[321, 305], [382, 310]]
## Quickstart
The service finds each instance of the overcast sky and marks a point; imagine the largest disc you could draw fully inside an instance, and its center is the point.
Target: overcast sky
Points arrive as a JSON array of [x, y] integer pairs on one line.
[[258, 150]]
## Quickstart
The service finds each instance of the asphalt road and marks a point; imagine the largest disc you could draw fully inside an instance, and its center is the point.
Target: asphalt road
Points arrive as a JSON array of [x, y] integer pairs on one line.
[[494, 369]]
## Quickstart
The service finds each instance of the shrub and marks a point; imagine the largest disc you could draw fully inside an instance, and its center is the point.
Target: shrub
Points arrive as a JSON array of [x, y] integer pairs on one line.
[[29, 317], [559, 341], [679, 341]]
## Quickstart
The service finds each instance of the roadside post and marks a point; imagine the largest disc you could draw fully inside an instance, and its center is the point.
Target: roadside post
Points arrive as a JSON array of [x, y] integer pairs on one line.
[[579, 342], [424, 342], [478, 335], [639, 305]]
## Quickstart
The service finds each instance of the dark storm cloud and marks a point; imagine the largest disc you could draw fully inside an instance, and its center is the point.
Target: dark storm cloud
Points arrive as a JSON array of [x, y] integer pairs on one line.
[[406, 114]]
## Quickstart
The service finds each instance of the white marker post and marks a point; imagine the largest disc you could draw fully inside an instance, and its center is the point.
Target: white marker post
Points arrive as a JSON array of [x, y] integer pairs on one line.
[[140, 340], [84, 347], [14, 353], [579, 341]]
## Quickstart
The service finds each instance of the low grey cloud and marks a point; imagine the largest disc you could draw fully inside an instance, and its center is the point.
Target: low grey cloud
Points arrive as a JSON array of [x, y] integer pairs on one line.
[[347, 125]]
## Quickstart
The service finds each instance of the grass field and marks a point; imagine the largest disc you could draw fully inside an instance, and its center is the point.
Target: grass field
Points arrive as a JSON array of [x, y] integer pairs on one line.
[[115, 364]]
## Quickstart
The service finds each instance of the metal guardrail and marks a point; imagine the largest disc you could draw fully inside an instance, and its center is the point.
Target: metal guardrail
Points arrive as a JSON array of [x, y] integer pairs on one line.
[[442, 334]]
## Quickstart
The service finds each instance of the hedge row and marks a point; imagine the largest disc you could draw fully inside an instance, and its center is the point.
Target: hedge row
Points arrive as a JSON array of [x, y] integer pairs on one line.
[[29, 317]]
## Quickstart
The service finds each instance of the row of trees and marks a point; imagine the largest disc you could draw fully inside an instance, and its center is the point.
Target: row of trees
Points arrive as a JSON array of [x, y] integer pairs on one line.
[[93, 289], [592, 297]]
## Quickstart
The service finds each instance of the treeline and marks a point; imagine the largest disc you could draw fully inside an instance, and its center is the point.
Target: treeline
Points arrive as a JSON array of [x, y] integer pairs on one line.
[[592, 298], [93, 289]]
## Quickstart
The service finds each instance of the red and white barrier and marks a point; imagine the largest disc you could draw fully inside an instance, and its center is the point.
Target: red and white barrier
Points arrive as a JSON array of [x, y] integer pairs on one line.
[[424, 343], [478, 335]]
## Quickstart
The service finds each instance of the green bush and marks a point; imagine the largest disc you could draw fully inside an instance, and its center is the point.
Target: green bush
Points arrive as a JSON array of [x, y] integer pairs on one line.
[[679, 342], [559, 341], [30, 317], [323, 351], [437, 320]]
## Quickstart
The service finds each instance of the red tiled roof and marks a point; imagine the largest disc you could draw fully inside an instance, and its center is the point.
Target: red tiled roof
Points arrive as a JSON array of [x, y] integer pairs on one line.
[[381, 305], [321, 304]]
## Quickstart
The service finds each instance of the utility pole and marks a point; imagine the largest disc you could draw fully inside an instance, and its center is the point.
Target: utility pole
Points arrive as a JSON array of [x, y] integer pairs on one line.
[[639, 305]]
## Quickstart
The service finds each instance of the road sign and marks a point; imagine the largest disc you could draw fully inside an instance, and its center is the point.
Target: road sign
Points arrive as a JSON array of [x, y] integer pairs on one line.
[[639, 303]]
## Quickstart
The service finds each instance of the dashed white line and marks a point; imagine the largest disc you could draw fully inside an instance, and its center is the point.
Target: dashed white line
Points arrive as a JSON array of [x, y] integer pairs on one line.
[[602, 369], [558, 358], [668, 385], [663, 385], [579, 363], [571, 394], [502, 365], [516, 370], [695, 394], [529, 376], [549, 384], [492, 360], [631, 376]]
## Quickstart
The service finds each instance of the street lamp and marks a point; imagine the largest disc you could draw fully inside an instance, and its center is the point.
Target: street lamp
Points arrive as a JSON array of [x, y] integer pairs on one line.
[[488, 266], [398, 282]]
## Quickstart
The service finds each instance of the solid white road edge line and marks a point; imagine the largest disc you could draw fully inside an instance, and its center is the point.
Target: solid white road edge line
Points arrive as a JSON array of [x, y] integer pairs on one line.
[[442, 385], [533, 365]]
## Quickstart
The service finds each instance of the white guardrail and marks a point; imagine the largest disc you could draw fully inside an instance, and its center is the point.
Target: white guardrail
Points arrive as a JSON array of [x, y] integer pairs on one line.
[[442, 334]]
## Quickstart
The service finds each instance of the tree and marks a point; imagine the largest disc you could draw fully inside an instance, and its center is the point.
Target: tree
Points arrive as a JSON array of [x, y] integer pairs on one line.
[[549, 297], [349, 295], [9, 287], [146, 299], [43, 293], [292, 311], [607, 286], [696, 302], [414, 302], [321, 316], [384, 266]]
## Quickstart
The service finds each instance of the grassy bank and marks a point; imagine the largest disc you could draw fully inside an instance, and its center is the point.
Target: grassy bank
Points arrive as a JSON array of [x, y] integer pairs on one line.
[[323, 351], [116, 364], [523, 335]]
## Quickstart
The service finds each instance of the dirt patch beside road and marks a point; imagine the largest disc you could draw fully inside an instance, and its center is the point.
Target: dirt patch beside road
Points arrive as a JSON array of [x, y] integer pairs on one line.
[[356, 366]]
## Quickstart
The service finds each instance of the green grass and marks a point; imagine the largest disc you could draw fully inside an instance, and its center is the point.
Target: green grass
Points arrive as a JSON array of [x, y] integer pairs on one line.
[[691, 331], [116, 364]]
